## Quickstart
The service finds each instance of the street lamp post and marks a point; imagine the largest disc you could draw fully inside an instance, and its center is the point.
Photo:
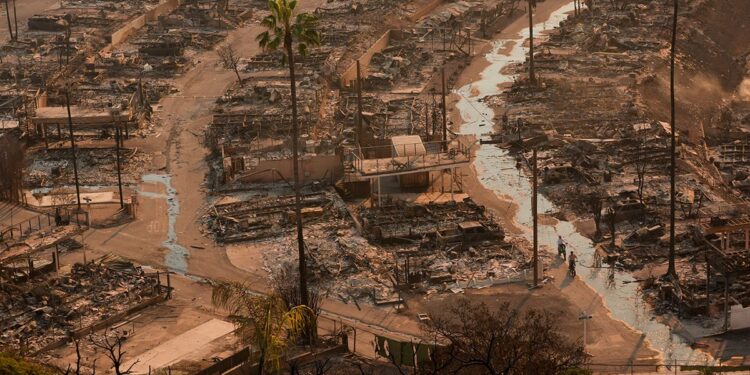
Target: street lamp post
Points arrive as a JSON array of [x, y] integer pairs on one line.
[[585, 317]]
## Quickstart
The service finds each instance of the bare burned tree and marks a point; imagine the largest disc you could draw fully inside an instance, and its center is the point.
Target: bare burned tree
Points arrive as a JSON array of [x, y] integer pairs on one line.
[[77, 343], [231, 60], [319, 367], [111, 343], [11, 168], [480, 340]]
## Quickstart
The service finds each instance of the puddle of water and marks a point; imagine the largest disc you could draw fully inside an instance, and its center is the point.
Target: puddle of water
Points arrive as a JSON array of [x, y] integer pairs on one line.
[[497, 171], [176, 258]]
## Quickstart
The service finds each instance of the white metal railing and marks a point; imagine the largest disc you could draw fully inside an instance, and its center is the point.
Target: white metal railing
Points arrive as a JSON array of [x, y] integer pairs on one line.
[[435, 154]]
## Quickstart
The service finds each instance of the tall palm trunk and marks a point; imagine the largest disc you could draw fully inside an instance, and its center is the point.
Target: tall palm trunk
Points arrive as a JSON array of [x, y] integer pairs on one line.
[[671, 271], [295, 159]]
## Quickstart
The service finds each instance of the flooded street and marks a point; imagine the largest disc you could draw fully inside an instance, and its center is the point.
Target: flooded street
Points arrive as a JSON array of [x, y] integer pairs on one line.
[[497, 171]]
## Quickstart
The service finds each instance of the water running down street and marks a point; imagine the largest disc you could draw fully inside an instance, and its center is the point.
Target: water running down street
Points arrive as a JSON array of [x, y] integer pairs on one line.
[[496, 170]]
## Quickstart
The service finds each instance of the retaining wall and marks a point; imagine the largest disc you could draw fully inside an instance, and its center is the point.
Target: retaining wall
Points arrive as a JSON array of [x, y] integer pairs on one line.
[[350, 75], [164, 8]]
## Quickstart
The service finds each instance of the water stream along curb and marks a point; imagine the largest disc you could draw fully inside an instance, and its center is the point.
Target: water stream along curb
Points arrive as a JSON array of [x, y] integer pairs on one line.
[[497, 171]]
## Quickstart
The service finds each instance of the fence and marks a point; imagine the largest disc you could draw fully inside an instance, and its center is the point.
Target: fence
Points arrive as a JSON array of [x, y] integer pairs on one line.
[[676, 367], [22, 229]]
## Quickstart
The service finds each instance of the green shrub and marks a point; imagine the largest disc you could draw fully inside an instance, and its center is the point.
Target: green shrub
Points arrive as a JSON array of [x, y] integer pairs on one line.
[[11, 364]]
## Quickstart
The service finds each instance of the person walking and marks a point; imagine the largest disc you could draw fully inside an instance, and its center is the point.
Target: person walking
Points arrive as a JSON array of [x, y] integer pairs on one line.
[[561, 245]]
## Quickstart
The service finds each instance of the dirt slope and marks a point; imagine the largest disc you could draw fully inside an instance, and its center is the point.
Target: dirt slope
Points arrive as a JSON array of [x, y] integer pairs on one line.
[[714, 38]]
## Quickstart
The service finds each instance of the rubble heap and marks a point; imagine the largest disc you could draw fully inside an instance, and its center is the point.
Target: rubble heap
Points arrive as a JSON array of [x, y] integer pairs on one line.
[[268, 217], [97, 167], [49, 308]]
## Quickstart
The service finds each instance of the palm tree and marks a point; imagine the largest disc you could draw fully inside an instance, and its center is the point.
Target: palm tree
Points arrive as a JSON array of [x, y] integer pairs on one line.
[[284, 30], [671, 271], [532, 78], [263, 322]]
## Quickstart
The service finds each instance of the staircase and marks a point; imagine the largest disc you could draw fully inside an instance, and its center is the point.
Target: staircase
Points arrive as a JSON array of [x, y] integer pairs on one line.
[[341, 185], [342, 189]]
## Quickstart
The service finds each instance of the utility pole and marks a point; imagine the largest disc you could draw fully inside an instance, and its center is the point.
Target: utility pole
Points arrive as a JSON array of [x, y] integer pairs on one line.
[[671, 270], [426, 122], [532, 78], [73, 148], [534, 220], [445, 110], [10, 25], [15, 17], [359, 106]]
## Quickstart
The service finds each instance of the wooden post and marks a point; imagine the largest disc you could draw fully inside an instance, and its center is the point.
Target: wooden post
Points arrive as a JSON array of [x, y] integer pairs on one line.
[[726, 302], [534, 217], [708, 287], [729, 240], [44, 136], [31, 266], [56, 258], [169, 286], [118, 138], [359, 105], [426, 123], [445, 111], [443, 39], [453, 176], [380, 195]]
